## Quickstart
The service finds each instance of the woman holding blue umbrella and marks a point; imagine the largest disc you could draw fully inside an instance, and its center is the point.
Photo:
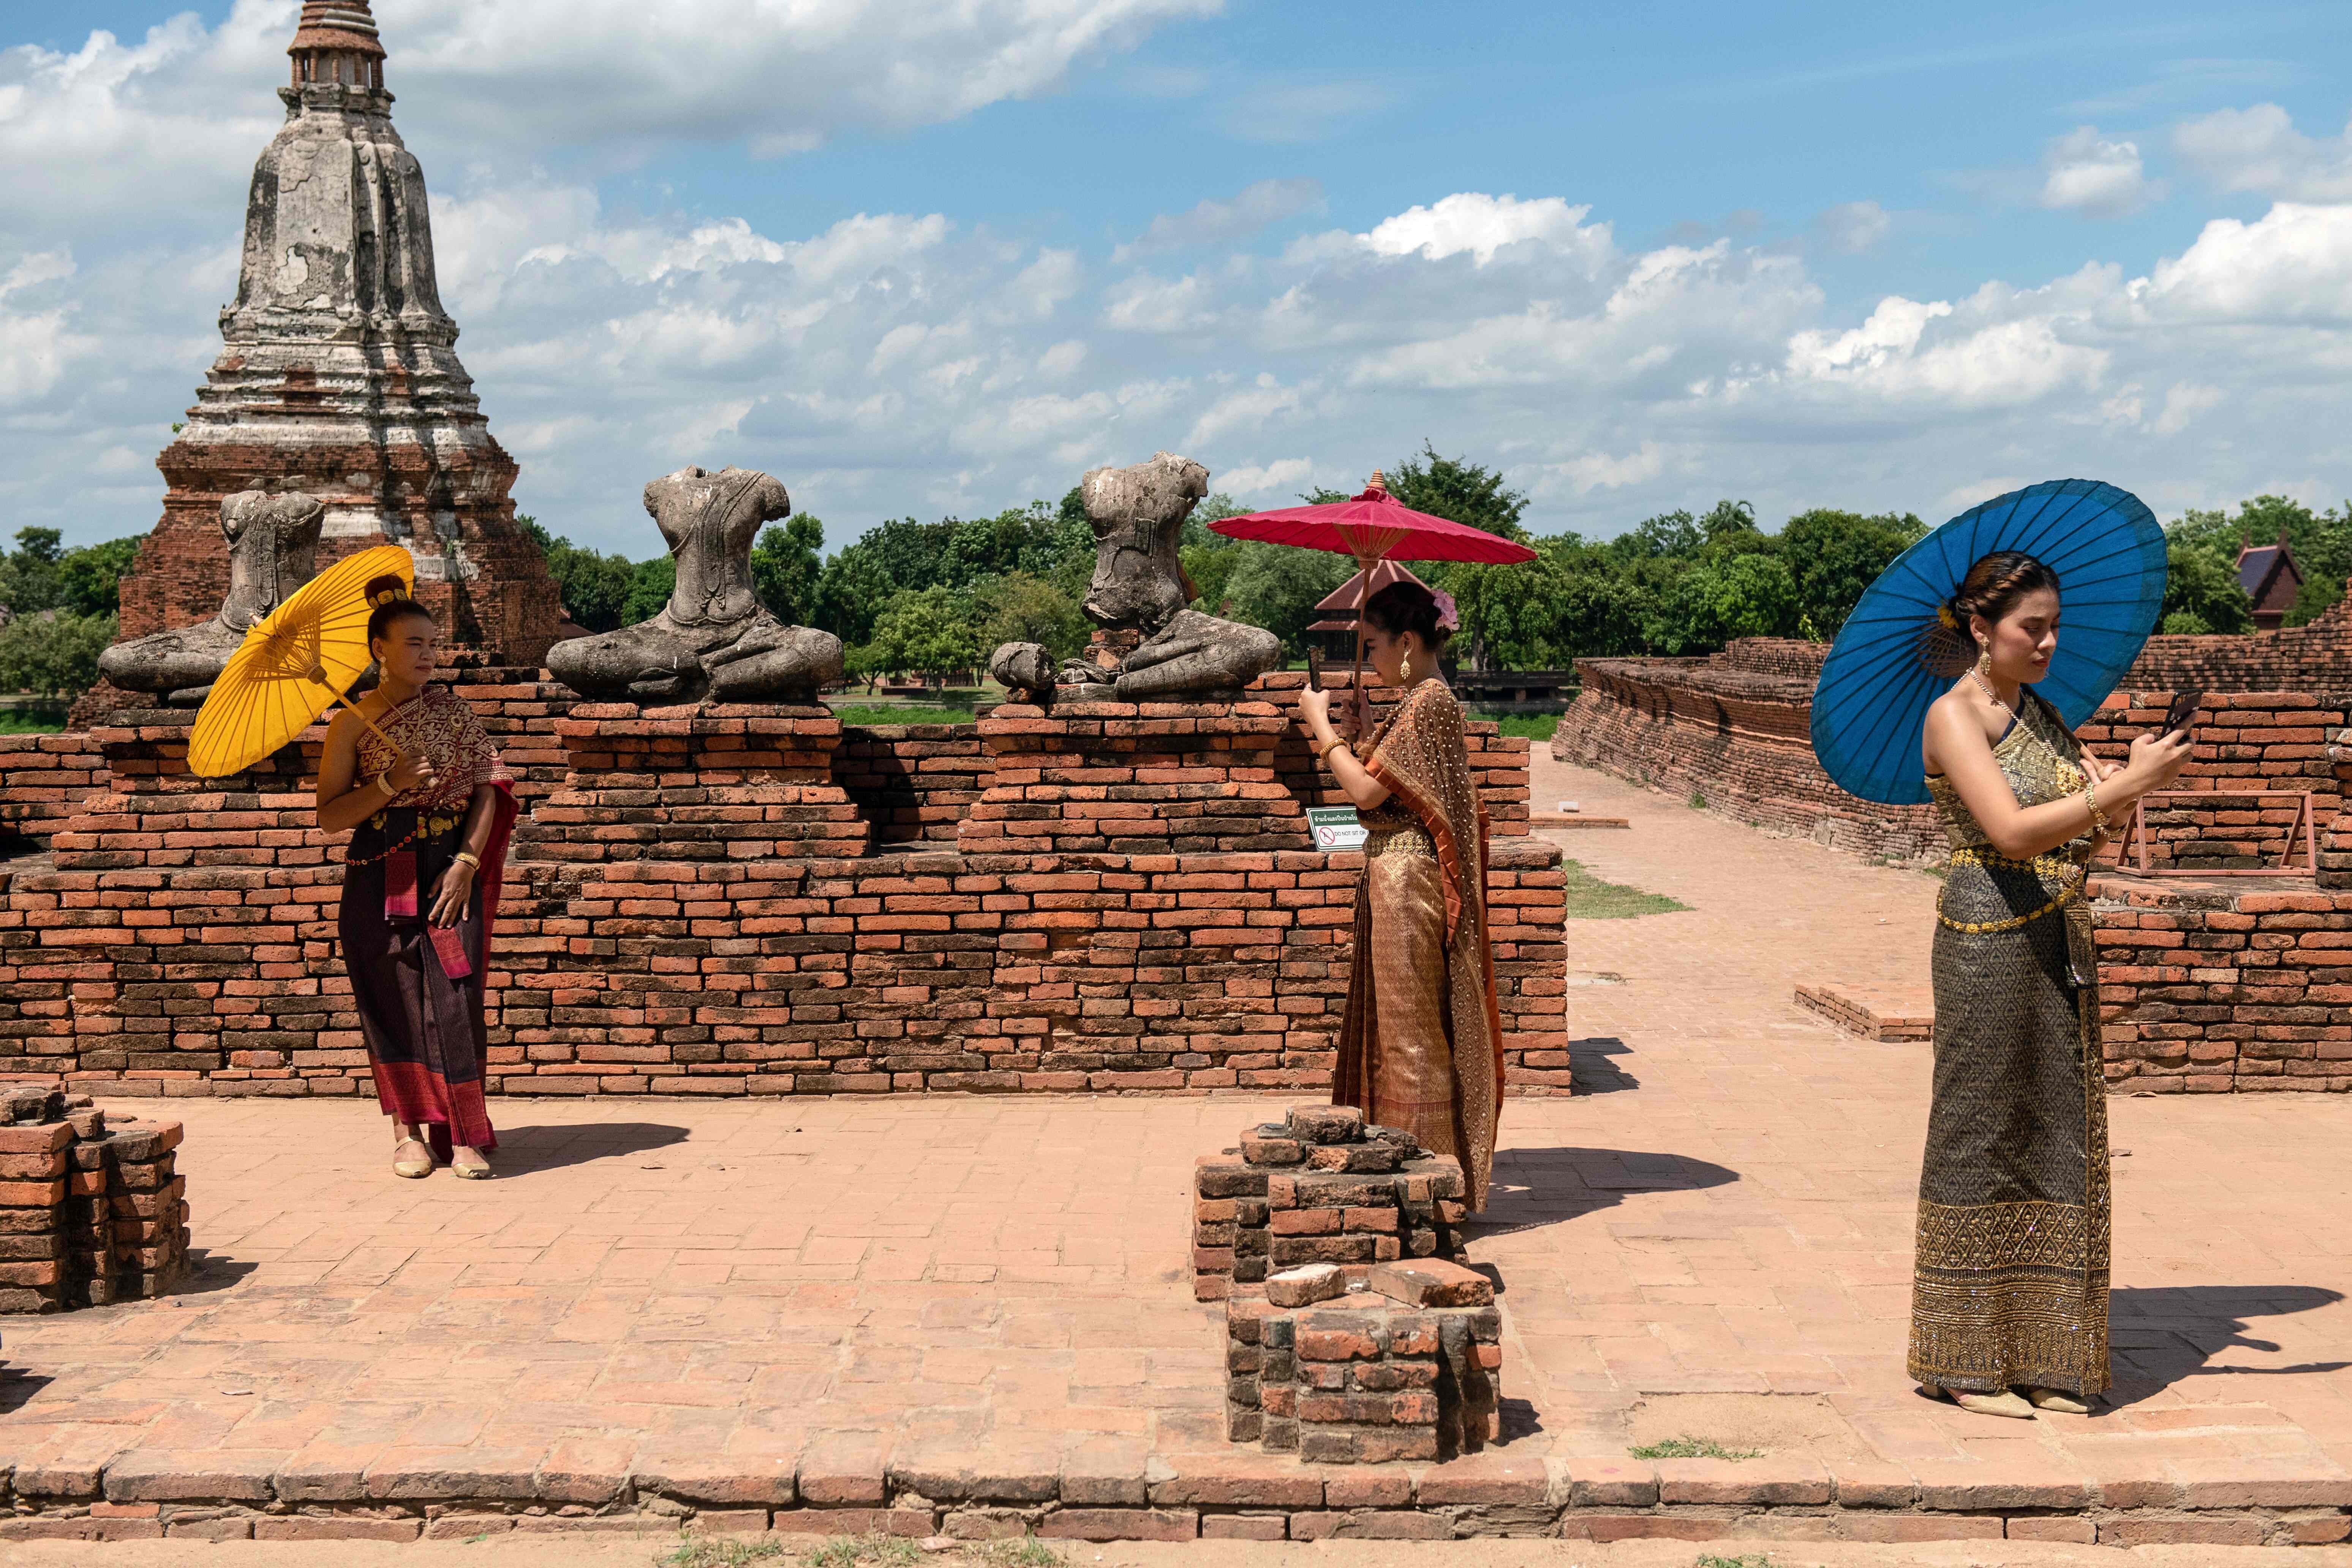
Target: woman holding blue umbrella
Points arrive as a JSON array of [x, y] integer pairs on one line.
[[1952, 682]]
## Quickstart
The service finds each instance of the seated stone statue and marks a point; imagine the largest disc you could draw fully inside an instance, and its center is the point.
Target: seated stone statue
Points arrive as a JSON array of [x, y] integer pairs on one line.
[[273, 540], [713, 639], [1140, 591]]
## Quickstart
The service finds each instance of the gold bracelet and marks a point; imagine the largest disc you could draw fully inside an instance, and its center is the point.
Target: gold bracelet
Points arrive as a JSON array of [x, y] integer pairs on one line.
[[1324, 756], [470, 857], [389, 792], [2098, 818]]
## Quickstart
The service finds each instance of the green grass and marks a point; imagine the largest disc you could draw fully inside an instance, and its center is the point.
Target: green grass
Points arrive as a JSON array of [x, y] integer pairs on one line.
[[1591, 899], [900, 713], [1752, 1560], [1535, 727], [14, 721], [886, 1551], [718, 1554], [1023, 1551], [1693, 1448]]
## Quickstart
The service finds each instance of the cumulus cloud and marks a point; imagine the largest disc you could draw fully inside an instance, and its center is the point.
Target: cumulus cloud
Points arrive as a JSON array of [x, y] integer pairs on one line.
[[1477, 223], [1258, 205], [2259, 150], [2094, 177]]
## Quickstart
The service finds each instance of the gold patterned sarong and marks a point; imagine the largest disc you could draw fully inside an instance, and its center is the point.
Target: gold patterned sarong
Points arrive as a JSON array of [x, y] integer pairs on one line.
[[1421, 1044], [2009, 1283]]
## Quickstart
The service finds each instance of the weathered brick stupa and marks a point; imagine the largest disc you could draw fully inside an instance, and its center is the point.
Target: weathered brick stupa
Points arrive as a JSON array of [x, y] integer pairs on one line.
[[339, 377]]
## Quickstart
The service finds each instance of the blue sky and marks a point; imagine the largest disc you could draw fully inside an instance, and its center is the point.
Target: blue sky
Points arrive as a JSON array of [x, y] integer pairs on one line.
[[1868, 255]]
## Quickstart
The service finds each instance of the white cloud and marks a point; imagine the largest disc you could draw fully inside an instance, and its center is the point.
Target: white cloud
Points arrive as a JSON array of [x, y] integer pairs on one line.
[[1256, 206], [2259, 150], [1479, 224], [2094, 177], [1853, 227], [1283, 476], [2184, 401], [2294, 264]]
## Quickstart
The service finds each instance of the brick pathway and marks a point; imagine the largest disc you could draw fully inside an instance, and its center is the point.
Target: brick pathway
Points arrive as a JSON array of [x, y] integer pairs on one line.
[[841, 1303]]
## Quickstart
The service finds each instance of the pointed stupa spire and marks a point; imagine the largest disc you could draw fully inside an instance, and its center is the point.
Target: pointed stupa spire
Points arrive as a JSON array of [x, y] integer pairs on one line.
[[336, 42]]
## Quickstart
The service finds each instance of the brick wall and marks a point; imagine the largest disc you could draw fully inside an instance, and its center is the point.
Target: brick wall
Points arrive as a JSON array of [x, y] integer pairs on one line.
[[178, 938], [46, 777], [912, 782], [2210, 987]]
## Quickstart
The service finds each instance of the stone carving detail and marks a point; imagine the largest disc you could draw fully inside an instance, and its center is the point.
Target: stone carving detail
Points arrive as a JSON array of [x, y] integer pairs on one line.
[[712, 640], [273, 540], [1139, 597]]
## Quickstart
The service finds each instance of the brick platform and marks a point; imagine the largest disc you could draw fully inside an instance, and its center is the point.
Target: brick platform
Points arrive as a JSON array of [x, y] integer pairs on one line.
[[2221, 986], [46, 777], [88, 1215], [1132, 779], [693, 784], [912, 782]]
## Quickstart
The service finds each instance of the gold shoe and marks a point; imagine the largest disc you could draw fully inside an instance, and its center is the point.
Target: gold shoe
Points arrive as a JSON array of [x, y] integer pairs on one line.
[[477, 1171], [2008, 1402], [2059, 1399], [414, 1169]]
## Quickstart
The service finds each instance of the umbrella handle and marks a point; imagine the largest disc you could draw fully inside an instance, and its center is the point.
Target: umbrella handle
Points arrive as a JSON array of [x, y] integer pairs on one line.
[[397, 749]]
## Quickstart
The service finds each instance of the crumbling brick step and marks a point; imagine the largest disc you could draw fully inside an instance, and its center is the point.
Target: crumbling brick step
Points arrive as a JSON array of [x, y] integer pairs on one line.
[[1872, 1012]]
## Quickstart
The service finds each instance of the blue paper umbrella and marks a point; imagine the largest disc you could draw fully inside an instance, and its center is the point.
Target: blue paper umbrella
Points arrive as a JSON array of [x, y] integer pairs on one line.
[[1894, 657]]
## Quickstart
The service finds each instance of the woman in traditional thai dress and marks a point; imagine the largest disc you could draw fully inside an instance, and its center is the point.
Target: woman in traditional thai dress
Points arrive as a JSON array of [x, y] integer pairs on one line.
[[2009, 1294], [1421, 1043], [429, 825]]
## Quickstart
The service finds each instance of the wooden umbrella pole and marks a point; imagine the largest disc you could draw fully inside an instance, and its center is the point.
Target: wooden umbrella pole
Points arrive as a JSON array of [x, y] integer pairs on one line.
[[1364, 564], [320, 677]]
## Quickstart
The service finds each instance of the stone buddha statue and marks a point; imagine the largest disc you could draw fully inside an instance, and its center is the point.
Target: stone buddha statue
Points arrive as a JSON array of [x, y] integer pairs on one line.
[[1141, 598], [272, 542], [713, 639]]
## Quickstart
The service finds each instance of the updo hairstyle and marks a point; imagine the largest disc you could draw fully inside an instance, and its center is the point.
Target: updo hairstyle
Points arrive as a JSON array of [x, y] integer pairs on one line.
[[1996, 585], [389, 597], [1402, 607]]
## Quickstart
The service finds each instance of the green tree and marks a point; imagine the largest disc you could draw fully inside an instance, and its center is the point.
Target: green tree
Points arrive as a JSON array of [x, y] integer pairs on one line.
[[927, 629], [1209, 557], [53, 653], [1277, 587], [594, 588], [650, 585], [1018, 607], [1835, 556], [851, 591], [1460, 491], [2202, 593], [786, 567], [89, 576], [29, 574]]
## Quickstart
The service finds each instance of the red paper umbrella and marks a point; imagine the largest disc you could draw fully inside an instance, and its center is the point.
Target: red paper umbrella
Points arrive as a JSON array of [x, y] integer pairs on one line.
[[1373, 528]]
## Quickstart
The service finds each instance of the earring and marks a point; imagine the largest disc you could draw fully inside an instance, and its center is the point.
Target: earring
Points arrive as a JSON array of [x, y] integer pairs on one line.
[[1984, 659], [1404, 669]]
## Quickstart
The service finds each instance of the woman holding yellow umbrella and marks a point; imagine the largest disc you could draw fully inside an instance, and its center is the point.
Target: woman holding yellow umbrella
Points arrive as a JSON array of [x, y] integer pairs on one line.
[[409, 772]]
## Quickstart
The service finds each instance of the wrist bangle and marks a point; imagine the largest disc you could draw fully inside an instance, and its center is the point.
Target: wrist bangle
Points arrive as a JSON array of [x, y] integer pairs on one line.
[[390, 793], [1324, 755], [470, 857], [2091, 799]]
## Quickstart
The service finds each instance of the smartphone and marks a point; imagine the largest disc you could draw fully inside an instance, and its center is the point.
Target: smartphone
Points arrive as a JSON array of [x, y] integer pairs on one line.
[[2184, 708], [1315, 669]]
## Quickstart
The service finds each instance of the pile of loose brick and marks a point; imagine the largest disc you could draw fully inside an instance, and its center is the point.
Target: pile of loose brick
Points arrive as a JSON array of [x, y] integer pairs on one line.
[[90, 1214], [1872, 1012], [1319, 1187], [1406, 1366]]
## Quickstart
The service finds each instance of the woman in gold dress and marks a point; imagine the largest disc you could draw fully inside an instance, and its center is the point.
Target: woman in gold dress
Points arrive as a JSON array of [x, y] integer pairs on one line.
[[421, 876], [1421, 1044], [2008, 1293]]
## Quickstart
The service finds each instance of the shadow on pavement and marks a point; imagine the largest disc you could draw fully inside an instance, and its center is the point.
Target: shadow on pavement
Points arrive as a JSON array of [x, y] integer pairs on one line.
[[524, 1150], [1537, 1187], [1592, 1072], [2161, 1335], [209, 1271], [17, 1388]]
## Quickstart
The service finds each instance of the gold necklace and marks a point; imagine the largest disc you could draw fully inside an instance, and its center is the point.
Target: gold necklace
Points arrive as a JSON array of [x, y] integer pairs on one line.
[[1986, 687]]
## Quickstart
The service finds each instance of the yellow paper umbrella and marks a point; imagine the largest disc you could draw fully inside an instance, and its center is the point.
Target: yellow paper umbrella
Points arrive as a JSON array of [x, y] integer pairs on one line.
[[296, 662]]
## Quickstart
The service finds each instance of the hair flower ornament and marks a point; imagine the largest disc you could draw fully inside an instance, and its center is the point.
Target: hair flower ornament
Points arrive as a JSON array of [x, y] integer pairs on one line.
[[1446, 618]]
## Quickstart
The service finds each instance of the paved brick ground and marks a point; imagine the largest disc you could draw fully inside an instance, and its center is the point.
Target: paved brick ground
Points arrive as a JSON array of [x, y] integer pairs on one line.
[[1716, 1241]]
